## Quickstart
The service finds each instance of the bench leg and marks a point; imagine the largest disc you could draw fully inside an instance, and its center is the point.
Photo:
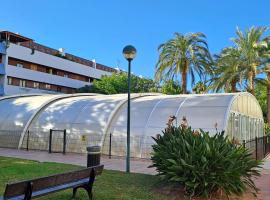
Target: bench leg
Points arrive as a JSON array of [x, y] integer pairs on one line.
[[87, 188], [74, 192], [28, 192]]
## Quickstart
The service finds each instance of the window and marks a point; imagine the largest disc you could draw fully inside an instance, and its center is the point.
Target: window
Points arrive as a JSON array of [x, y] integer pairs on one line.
[[33, 67], [20, 65], [54, 71], [36, 85], [49, 71], [9, 80], [22, 83], [65, 75], [48, 86]]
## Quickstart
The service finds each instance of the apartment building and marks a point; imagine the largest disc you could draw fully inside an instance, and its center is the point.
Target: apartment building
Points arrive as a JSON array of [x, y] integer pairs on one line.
[[29, 67]]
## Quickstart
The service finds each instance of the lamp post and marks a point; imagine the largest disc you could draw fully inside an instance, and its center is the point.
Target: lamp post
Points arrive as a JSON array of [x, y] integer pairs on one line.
[[129, 53]]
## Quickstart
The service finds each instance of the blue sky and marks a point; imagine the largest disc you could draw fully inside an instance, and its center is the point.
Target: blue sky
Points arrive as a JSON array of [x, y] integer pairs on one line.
[[97, 29]]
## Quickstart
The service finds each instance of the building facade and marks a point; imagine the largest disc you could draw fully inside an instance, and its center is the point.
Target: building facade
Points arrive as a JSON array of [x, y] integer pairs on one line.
[[29, 67]]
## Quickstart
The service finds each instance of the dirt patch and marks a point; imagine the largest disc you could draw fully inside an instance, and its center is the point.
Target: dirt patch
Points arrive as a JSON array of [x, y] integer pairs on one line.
[[171, 191], [177, 192]]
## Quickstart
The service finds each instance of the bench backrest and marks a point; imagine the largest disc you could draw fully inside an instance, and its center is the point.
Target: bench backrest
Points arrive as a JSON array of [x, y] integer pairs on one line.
[[19, 188]]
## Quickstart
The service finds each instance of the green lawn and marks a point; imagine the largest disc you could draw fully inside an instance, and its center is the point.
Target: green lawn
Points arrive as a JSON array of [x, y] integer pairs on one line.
[[110, 185]]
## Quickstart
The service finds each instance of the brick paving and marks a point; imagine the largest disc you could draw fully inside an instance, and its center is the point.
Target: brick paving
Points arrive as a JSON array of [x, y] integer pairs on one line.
[[137, 166]]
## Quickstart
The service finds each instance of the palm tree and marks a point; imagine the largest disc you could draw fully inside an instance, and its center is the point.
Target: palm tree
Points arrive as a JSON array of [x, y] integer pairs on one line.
[[249, 44], [227, 71], [183, 55]]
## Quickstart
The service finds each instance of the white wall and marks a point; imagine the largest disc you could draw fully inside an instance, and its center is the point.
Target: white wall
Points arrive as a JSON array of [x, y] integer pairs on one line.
[[2, 68], [43, 77], [24, 53], [2, 48], [14, 90]]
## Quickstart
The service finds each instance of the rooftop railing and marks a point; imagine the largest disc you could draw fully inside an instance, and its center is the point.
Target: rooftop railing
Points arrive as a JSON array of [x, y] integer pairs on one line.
[[54, 52]]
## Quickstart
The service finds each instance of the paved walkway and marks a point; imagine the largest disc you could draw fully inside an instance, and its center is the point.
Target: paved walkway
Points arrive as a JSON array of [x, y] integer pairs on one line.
[[137, 166]]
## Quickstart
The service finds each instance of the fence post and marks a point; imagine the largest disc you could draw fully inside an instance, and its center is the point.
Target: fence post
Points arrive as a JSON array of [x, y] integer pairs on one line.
[[50, 141], [27, 141], [64, 141], [244, 144], [256, 147], [264, 146], [110, 147]]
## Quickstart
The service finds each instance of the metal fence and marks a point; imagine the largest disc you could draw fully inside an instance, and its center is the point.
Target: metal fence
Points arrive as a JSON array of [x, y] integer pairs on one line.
[[75, 142], [259, 147]]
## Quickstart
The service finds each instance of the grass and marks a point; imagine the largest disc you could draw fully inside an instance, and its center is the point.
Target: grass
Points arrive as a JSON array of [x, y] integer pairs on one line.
[[110, 185]]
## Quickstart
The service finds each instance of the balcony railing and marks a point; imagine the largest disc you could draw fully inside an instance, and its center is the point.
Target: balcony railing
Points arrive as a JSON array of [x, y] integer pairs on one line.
[[67, 56]]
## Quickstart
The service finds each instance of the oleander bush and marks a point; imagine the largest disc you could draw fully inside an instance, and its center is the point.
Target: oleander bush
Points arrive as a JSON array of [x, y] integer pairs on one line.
[[203, 164]]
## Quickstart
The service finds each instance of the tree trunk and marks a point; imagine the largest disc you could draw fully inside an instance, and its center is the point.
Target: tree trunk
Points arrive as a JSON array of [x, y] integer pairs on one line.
[[233, 86], [251, 82], [184, 82], [184, 78]]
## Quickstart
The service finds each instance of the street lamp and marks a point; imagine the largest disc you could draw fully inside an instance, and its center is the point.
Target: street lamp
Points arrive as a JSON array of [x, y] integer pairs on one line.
[[129, 53]]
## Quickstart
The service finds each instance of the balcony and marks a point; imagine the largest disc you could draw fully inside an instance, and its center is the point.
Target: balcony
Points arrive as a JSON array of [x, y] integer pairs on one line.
[[2, 69], [27, 74], [2, 48]]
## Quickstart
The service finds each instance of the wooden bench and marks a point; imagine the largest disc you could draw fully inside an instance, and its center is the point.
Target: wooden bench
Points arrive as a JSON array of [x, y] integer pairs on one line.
[[25, 190]]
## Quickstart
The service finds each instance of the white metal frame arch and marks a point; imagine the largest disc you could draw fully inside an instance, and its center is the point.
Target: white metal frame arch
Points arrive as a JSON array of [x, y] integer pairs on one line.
[[20, 95], [147, 123]]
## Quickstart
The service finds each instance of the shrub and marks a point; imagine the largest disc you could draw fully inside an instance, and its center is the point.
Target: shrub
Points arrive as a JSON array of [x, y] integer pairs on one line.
[[204, 164], [266, 128]]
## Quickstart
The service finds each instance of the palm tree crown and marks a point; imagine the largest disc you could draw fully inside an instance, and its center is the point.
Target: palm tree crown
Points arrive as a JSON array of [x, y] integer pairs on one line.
[[182, 55], [239, 65], [227, 71], [250, 44]]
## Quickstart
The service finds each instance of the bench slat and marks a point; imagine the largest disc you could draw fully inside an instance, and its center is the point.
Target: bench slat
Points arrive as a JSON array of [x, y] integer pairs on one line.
[[60, 187], [53, 181]]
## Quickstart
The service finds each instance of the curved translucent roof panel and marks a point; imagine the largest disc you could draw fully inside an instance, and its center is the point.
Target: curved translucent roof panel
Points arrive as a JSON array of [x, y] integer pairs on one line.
[[83, 117], [98, 119], [247, 105], [15, 113]]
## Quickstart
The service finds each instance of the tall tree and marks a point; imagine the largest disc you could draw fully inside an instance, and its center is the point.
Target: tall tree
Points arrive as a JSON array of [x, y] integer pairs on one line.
[[249, 43], [183, 55], [200, 88], [171, 87], [117, 83], [261, 95], [227, 70], [265, 51]]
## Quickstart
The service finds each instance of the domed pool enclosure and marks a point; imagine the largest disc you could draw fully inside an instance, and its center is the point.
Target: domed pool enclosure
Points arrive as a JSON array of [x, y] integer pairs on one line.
[[94, 119]]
